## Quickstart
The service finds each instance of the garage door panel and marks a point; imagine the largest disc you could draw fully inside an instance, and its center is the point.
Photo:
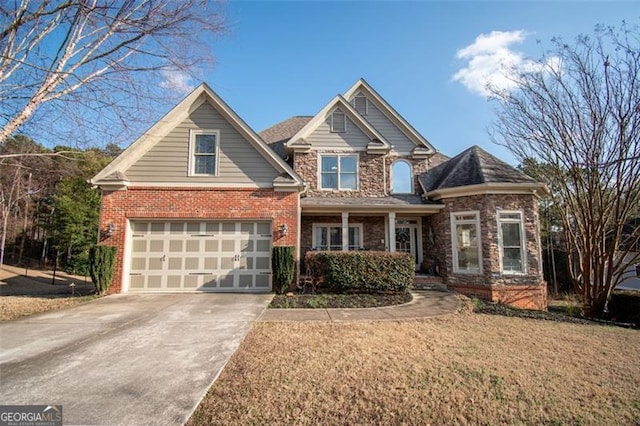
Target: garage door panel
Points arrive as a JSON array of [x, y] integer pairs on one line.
[[139, 246], [176, 246], [192, 263], [263, 246], [211, 263], [154, 281], [191, 282], [174, 281], [263, 281], [200, 255]]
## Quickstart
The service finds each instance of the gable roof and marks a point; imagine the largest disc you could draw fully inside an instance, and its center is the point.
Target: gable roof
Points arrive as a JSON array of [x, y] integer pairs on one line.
[[475, 169], [362, 86], [201, 94], [378, 140]]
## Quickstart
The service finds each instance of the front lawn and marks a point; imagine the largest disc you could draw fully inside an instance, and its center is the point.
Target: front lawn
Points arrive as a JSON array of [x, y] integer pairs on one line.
[[464, 369], [12, 307]]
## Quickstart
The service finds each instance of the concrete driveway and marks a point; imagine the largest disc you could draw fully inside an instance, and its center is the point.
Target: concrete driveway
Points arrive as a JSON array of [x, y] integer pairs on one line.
[[125, 359]]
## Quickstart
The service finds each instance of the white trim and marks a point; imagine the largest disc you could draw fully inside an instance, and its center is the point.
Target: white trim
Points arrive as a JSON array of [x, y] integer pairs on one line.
[[387, 110], [316, 225], [216, 154], [454, 240], [523, 238], [411, 176], [338, 155], [536, 189], [126, 260], [332, 128]]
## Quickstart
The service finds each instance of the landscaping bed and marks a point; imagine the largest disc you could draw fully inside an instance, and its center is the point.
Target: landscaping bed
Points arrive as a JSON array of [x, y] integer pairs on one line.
[[330, 300]]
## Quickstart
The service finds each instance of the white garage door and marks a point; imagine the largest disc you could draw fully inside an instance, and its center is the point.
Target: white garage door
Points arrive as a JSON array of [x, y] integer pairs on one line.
[[202, 256]]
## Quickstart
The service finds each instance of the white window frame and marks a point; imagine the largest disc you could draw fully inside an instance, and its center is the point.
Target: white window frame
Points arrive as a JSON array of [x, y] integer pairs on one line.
[[344, 116], [454, 240], [192, 154], [338, 156], [520, 220], [411, 177], [366, 103], [317, 226]]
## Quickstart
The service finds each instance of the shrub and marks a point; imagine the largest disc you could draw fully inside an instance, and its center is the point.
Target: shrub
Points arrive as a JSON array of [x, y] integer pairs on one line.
[[102, 260], [625, 307], [283, 263], [362, 271]]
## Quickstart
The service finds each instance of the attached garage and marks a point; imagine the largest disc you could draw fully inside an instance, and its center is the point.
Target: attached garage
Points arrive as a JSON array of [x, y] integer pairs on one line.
[[174, 256]]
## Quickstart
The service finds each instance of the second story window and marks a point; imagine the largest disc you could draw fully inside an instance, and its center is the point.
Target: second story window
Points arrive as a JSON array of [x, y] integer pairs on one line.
[[339, 172], [401, 178], [203, 152], [338, 121]]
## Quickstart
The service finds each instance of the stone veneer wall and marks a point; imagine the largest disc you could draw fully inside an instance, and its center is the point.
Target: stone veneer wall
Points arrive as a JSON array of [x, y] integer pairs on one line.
[[371, 178], [525, 291]]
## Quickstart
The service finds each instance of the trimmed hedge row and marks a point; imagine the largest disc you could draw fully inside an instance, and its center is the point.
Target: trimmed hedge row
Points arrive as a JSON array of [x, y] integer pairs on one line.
[[362, 271]]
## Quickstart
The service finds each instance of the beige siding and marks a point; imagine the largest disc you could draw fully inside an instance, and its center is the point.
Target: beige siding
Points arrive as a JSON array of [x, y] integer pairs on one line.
[[389, 130], [323, 138], [168, 160]]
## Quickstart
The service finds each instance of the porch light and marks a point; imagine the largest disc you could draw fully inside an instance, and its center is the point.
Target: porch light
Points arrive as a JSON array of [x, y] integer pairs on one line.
[[109, 230], [284, 229]]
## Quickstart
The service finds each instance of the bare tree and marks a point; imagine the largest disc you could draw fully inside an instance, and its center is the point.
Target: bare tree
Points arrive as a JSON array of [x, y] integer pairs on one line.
[[579, 117], [96, 70]]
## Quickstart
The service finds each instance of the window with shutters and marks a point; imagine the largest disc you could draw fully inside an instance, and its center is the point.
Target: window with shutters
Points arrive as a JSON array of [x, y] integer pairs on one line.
[[338, 121], [203, 152]]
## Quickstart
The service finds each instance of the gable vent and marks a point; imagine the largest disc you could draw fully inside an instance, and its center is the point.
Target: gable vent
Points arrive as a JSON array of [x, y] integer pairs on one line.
[[361, 104], [338, 121]]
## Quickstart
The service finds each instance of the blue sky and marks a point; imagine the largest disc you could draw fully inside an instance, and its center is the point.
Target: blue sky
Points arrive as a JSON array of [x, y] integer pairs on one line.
[[281, 59]]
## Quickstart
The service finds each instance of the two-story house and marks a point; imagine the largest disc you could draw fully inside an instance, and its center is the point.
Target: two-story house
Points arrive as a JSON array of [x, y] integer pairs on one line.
[[198, 201]]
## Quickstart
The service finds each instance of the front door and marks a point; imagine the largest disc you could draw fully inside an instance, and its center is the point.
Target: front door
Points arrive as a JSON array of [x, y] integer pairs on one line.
[[406, 238]]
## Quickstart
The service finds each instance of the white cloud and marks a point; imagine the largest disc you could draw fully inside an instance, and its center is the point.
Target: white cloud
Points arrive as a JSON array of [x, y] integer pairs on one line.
[[490, 62], [176, 81]]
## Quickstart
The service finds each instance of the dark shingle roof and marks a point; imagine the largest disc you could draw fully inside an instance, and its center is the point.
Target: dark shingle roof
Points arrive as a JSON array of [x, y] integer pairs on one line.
[[471, 167], [284, 129], [278, 134]]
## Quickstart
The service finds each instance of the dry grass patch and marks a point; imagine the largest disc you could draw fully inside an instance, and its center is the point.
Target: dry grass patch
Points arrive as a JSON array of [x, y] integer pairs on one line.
[[12, 307], [465, 369]]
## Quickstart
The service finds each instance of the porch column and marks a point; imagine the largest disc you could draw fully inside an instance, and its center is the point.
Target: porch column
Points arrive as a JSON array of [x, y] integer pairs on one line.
[[345, 231], [392, 232]]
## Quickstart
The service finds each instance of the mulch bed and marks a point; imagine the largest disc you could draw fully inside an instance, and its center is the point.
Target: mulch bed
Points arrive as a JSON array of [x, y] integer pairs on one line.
[[503, 310], [329, 300]]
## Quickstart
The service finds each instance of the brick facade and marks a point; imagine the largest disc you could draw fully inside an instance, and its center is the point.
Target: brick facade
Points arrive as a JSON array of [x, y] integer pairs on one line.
[[180, 203], [525, 290]]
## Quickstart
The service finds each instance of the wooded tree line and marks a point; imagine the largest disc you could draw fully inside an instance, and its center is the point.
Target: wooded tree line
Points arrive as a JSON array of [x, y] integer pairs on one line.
[[49, 212]]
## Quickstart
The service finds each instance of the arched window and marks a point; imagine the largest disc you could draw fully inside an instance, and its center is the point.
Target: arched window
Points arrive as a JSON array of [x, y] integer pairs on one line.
[[401, 178]]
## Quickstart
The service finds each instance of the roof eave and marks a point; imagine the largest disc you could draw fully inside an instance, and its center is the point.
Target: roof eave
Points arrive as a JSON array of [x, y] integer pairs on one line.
[[534, 188]]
